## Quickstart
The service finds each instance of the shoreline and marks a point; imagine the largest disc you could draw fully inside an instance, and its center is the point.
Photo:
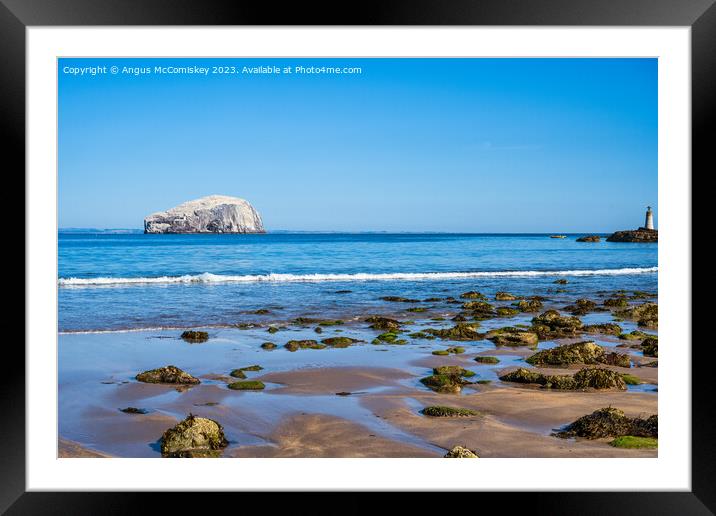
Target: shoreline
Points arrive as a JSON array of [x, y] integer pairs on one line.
[[377, 413]]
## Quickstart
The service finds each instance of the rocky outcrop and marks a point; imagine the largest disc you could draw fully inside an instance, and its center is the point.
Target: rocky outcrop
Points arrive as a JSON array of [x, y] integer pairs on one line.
[[610, 422], [212, 214], [194, 437], [168, 374], [641, 235], [590, 238], [460, 452]]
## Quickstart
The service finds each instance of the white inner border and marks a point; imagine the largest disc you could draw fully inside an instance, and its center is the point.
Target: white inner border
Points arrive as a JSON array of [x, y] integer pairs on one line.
[[670, 471]]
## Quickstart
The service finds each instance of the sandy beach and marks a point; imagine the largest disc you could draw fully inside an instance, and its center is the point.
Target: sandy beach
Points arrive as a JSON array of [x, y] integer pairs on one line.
[[362, 400]]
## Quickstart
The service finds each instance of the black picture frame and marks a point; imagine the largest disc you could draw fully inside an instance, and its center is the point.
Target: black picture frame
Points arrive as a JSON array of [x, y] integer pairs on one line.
[[700, 15]]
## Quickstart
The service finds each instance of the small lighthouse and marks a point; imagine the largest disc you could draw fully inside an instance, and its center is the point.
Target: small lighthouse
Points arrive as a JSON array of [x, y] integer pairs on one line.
[[649, 222]]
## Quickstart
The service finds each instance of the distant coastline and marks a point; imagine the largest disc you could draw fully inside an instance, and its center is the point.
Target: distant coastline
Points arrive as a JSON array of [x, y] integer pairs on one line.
[[139, 231]]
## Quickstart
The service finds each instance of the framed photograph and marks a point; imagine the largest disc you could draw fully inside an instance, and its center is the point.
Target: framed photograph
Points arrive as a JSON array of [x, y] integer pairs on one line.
[[272, 251]]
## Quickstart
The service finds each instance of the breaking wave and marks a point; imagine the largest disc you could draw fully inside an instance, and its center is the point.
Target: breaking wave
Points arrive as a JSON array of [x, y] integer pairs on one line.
[[288, 278]]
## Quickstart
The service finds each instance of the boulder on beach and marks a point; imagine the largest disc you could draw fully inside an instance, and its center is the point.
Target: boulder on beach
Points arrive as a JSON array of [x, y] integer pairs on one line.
[[605, 328], [551, 324], [529, 305], [212, 214], [168, 374], [461, 332], [442, 411], [650, 347], [587, 378], [578, 353], [610, 422], [383, 323], [195, 336], [295, 345], [510, 336], [646, 314], [194, 437], [460, 452], [444, 383]]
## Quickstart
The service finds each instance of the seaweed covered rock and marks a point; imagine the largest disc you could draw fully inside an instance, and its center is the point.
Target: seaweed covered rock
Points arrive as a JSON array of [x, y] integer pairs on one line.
[[578, 353], [551, 324], [331, 322], [588, 378], [581, 307], [616, 302], [479, 309], [247, 385], [194, 336], [168, 374], [268, 345], [460, 332], [605, 328], [598, 378], [646, 314], [295, 345], [487, 360], [506, 311], [383, 323], [590, 238], [421, 335], [389, 338], [529, 305], [473, 295], [455, 350], [510, 336], [442, 411], [560, 281], [459, 452], [306, 321], [634, 335], [339, 342], [610, 422], [452, 370], [195, 436], [399, 299], [523, 375], [505, 296], [650, 347], [444, 383], [134, 410]]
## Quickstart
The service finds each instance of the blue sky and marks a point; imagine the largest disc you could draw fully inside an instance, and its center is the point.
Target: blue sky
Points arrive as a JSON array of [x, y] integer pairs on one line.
[[460, 145]]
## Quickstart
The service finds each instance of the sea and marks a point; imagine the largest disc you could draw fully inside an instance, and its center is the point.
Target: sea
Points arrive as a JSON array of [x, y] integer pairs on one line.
[[124, 281]]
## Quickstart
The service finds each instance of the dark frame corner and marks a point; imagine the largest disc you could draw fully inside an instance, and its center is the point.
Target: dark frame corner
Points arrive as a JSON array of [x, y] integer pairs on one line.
[[700, 15]]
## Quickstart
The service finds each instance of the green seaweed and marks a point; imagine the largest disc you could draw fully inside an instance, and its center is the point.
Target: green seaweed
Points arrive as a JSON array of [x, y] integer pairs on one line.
[[634, 442], [247, 385], [195, 336], [443, 411]]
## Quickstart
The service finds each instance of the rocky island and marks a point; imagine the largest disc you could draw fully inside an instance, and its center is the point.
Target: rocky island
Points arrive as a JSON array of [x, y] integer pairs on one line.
[[637, 235], [212, 214], [645, 234]]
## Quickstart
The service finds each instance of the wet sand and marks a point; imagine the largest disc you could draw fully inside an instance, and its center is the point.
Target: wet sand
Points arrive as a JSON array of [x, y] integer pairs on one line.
[[299, 413]]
